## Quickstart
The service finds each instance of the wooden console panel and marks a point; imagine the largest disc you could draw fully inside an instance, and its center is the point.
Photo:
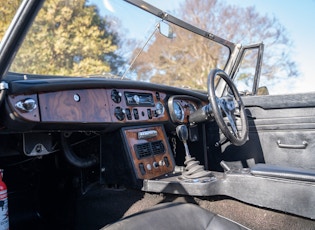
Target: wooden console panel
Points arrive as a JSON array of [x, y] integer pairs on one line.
[[150, 157]]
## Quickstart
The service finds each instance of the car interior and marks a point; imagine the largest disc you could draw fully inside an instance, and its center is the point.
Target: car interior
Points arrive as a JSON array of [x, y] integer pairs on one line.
[[99, 153]]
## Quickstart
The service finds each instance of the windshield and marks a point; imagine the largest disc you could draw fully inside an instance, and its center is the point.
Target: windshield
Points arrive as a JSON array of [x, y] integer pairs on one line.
[[115, 39]]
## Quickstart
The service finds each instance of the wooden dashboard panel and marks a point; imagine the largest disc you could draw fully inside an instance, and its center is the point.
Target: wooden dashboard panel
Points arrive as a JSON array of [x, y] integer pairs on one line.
[[150, 157], [75, 106], [98, 106], [141, 110]]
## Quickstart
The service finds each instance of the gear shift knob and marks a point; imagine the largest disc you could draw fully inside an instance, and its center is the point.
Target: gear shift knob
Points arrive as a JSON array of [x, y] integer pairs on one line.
[[182, 133]]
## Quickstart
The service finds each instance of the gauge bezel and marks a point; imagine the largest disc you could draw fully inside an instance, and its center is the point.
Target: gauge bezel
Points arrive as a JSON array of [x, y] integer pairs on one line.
[[178, 98]]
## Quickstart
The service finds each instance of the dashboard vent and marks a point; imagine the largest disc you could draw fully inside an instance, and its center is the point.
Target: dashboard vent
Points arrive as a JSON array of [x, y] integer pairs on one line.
[[149, 149], [143, 150], [157, 147]]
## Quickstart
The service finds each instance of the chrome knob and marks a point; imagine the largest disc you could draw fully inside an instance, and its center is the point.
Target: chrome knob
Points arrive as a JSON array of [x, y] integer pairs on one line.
[[27, 105], [136, 99]]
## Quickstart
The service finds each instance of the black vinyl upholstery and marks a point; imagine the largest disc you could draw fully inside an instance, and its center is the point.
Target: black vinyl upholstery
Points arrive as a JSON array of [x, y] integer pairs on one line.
[[175, 216]]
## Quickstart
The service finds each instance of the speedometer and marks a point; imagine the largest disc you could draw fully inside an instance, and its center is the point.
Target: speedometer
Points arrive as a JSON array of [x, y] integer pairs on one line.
[[178, 110]]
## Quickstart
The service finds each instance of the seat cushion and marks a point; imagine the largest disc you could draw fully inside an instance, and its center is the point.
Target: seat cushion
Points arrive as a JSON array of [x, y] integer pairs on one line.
[[175, 216]]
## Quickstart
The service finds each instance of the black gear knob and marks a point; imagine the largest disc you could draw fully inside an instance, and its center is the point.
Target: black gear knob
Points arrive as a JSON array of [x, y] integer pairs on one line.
[[182, 133]]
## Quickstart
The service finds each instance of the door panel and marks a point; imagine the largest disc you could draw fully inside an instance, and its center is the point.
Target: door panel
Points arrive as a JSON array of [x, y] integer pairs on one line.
[[281, 132]]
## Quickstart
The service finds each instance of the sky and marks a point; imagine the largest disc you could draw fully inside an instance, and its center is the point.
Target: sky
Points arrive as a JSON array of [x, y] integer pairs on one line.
[[298, 17]]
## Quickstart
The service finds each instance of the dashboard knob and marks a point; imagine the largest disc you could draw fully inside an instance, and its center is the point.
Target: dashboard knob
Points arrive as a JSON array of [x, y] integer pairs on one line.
[[136, 99], [26, 105], [155, 165], [119, 113], [116, 96], [149, 167]]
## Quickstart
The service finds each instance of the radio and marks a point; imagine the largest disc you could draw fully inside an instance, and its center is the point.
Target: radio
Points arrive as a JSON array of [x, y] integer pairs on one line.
[[139, 99]]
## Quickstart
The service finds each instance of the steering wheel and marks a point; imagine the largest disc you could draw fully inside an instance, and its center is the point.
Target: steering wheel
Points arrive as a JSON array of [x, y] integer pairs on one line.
[[232, 107]]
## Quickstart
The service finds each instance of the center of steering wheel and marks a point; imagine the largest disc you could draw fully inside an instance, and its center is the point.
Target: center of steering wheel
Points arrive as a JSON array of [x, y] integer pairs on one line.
[[226, 104]]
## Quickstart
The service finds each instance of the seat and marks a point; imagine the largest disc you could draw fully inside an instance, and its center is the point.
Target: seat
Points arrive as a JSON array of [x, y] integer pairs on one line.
[[175, 216]]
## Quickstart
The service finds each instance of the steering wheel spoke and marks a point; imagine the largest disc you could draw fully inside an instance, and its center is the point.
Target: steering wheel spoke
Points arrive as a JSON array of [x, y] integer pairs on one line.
[[233, 125]]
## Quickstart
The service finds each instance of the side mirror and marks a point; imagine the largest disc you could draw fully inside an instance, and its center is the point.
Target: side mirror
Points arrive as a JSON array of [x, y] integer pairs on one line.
[[263, 90], [166, 30]]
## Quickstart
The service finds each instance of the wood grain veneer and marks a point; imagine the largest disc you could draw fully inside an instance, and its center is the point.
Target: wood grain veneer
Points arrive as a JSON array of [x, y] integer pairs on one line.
[[131, 139], [61, 106], [93, 106]]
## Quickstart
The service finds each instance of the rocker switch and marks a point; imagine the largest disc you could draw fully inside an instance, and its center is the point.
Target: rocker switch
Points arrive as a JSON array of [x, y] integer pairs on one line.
[[136, 114], [142, 169], [167, 163]]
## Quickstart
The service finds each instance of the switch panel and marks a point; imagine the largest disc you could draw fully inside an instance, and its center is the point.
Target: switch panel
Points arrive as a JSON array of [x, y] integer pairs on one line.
[[150, 157]]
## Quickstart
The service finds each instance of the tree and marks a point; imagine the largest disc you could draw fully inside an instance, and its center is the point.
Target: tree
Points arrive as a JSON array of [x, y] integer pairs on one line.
[[7, 11], [195, 56], [68, 37]]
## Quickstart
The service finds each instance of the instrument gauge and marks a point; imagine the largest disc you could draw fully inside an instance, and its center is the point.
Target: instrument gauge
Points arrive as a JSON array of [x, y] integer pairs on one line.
[[192, 108], [178, 111], [159, 109]]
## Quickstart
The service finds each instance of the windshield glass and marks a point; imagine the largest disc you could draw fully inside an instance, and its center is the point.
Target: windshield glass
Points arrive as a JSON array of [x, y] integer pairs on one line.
[[117, 40]]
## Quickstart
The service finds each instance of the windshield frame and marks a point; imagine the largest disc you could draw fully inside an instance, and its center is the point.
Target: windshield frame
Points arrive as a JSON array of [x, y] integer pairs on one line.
[[172, 19], [15, 34]]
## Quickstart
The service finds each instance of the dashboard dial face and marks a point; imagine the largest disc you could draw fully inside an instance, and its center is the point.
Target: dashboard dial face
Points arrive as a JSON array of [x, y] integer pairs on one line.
[[159, 108], [192, 108], [178, 110]]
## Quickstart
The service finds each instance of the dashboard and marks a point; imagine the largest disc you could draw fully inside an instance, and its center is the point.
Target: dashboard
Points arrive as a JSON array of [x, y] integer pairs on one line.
[[103, 106], [91, 106], [139, 115], [67, 103]]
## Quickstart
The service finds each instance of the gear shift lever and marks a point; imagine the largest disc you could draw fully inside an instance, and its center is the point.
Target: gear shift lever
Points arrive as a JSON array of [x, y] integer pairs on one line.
[[182, 133], [193, 169]]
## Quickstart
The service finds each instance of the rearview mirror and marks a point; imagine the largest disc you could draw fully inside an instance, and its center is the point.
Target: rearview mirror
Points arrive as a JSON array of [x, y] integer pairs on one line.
[[263, 90]]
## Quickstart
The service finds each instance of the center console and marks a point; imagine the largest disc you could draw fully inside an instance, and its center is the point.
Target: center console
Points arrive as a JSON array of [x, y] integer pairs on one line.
[[148, 150]]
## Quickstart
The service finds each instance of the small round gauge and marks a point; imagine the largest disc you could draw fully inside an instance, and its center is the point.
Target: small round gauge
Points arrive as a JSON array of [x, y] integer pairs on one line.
[[192, 108], [178, 110], [159, 108]]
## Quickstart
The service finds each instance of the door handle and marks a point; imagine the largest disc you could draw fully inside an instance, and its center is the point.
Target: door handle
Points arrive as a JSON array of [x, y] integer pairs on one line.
[[288, 146]]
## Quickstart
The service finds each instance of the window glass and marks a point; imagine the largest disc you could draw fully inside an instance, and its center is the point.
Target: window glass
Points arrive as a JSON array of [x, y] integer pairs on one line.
[[244, 79]]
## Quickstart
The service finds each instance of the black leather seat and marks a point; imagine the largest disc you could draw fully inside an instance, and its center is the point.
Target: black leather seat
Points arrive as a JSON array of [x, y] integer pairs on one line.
[[175, 216]]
